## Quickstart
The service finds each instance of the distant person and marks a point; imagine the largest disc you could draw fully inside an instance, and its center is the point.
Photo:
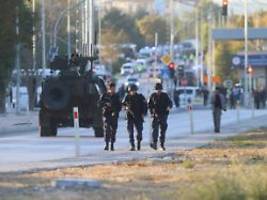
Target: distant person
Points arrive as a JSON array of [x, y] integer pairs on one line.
[[257, 99], [121, 91], [74, 59], [232, 99], [111, 105], [136, 108], [176, 98], [159, 106], [205, 93], [218, 104], [263, 96]]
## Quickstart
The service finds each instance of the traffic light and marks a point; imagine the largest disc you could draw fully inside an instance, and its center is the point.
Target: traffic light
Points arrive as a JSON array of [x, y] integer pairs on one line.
[[224, 7], [181, 71], [249, 69], [171, 68]]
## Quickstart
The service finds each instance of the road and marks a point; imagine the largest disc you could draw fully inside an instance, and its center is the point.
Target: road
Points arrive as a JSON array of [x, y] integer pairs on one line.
[[28, 151]]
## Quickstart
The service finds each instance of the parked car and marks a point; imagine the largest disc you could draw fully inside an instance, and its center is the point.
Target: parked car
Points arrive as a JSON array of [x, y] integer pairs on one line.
[[187, 94], [127, 68], [23, 98], [153, 71], [132, 80], [140, 64]]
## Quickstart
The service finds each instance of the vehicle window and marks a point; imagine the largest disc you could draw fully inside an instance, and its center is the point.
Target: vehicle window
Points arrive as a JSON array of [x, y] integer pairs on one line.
[[132, 79], [186, 91]]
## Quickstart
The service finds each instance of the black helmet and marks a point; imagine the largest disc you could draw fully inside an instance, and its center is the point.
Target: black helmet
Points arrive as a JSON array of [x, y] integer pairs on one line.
[[132, 87], [112, 84], [158, 86]]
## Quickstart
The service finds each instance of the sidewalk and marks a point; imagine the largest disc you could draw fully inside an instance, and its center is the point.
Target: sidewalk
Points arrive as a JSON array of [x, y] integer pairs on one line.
[[11, 122]]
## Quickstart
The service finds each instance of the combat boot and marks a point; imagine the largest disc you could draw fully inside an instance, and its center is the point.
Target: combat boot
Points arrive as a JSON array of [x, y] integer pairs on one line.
[[138, 145], [162, 147], [106, 147], [112, 146], [153, 145], [132, 148]]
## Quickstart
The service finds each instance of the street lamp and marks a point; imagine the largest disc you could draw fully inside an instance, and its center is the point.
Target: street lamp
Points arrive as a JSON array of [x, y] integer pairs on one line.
[[246, 90], [43, 36], [172, 28], [17, 63], [68, 31]]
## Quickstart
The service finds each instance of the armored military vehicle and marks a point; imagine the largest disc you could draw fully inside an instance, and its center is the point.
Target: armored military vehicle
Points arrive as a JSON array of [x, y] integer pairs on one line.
[[72, 87]]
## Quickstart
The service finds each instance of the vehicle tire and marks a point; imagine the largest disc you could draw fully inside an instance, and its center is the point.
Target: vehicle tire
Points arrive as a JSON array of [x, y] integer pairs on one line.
[[48, 128], [56, 96], [99, 132]]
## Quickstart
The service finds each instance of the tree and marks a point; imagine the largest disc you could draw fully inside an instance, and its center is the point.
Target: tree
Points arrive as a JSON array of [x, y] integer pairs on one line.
[[119, 21], [151, 24], [110, 52], [223, 56], [8, 40]]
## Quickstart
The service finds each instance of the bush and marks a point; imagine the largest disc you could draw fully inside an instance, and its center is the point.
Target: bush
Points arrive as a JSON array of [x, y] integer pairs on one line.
[[234, 184]]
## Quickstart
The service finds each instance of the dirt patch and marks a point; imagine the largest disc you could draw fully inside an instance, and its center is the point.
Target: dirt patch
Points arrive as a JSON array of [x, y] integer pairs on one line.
[[234, 168]]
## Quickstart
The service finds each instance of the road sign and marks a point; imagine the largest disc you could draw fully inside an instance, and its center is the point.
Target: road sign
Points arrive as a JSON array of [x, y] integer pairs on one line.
[[77, 135], [165, 73], [166, 59], [228, 83]]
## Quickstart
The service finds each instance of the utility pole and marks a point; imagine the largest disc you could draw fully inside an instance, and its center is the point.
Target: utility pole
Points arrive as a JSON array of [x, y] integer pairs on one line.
[[91, 33], [172, 28], [213, 50], [91, 30], [17, 62], [68, 31], [33, 36], [209, 68], [197, 46], [34, 75], [156, 55], [43, 36], [99, 32], [246, 91], [77, 28], [202, 49], [85, 34], [82, 27]]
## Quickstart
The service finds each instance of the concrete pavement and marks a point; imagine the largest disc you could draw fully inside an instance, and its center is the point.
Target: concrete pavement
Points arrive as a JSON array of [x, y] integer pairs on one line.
[[12, 123], [29, 151]]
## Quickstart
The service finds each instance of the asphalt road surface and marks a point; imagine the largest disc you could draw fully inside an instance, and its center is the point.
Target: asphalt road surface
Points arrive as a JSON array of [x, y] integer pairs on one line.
[[29, 151]]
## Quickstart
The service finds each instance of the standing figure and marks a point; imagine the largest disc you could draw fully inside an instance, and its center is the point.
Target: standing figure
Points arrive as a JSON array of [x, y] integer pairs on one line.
[[159, 106], [263, 95], [136, 108], [205, 92], [257, 99], [218, 104], [111, 104]]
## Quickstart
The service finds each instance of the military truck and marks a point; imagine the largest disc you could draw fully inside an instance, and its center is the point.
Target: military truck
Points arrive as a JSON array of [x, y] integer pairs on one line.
[[72, 87]]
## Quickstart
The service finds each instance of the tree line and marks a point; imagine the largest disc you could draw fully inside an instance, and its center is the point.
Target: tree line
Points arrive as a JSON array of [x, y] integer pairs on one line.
[[117, 28]]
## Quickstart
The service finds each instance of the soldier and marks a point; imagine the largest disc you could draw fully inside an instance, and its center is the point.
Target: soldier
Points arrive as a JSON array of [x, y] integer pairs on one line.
[[159, 106], [136, 108], [110, 102], [218, 104]]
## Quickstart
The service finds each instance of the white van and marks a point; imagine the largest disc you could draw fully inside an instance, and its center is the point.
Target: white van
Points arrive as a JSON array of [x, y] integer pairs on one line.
[[23, 98], [187, 94], [127, 68]]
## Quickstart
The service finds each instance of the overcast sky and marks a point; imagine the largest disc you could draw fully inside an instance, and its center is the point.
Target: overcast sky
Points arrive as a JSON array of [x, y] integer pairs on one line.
[[238, 5]]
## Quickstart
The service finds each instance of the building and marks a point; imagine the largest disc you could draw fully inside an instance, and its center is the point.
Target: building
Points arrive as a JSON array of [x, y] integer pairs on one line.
[[258, 63]]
